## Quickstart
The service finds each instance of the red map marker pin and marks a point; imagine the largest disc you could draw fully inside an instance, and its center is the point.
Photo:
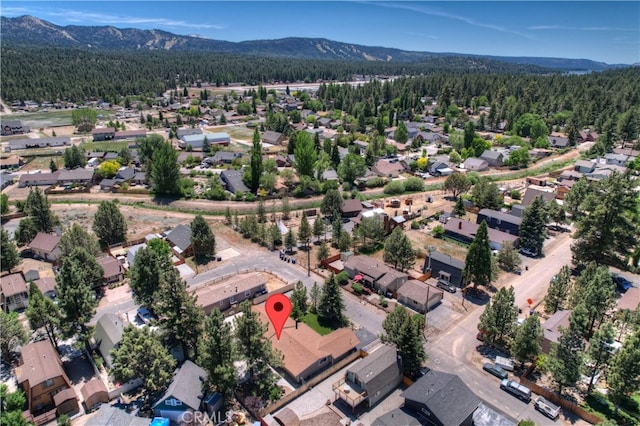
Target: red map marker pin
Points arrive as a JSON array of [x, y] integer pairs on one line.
[[278, 307]]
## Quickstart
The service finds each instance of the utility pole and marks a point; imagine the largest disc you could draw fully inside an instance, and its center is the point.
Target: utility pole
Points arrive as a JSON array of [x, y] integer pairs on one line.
[[308, 259]]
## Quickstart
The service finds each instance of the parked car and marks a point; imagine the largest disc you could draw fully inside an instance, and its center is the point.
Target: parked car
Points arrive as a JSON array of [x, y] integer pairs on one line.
[[446, 286], [547, 408], [144, 315], [497, 371], [516, 389], [528, 252], [622, 283]]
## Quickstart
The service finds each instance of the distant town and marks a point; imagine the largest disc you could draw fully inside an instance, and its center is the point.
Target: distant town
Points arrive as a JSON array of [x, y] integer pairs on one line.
[[458, 259]]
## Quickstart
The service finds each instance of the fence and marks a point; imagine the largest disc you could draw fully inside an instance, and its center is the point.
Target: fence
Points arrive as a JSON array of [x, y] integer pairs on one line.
[[566, 404], [312, 382], [326, 263]]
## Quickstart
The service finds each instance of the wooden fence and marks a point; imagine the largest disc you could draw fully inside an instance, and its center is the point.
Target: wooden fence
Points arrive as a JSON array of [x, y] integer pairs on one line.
[[326, 263], [566, 404], [312, 382]]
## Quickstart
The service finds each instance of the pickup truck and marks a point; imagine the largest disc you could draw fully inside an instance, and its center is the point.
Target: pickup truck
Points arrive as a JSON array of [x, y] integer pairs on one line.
[[516, 389], [547, 408]]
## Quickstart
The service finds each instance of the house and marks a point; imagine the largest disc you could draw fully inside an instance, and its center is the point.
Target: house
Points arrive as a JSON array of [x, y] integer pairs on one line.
[[130, 134], [388, 168], [14, 292], [375, 274], [584, 166], [45, 384], [475, 164], [558, 142], [38, 179], [603, 171], [551, 329], [45, 246], [351, 208], [419, 296], [6, 180], [103, 134], [273, 138], [107, 335], [112, 268], [330, 174], [442, 399], [108, 415], [517, 210], [444, 267], [180, 240], [630, 300], [532, 193], [616, 159], [222, 157], [13, 127], [493, 158], [183, 395], [370, 379], [77, 176], [131, 253], [233, 181], [465, 231], [47, 286], [188, 131], [587, 136], [28, 143], [500, 221], [94, 394], [570, 175], [440, 169], [10, 162], [306, 353], [194, 141], [230, 293]]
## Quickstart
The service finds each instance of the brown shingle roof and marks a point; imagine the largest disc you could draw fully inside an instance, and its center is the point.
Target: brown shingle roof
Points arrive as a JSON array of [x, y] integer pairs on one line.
[[40, 362], [46, 284], [110, 265], [13, 284], [44, 242], [630, 300]]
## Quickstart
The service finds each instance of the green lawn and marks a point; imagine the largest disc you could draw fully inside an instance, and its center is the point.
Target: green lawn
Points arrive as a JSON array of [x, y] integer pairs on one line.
[[312, 321], [104, 146], [598, 404]]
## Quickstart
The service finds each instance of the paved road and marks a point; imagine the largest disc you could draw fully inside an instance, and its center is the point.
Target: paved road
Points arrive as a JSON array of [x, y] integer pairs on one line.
[[457, 349]]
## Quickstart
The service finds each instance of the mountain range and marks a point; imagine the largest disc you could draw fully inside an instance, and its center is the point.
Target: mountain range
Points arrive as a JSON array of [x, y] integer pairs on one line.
[[31, 30]]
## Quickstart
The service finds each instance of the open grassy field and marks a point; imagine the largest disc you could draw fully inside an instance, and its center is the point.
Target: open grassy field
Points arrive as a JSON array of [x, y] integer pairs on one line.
[[110, 146]]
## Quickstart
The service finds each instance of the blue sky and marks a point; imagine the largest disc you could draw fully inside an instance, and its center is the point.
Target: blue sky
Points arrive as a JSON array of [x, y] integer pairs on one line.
[[601, 31]]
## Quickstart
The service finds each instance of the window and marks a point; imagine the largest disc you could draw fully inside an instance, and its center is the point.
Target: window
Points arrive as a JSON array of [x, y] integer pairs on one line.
[[47, 384], [322, 360], [232, 300], [247, 293], [173, 402]]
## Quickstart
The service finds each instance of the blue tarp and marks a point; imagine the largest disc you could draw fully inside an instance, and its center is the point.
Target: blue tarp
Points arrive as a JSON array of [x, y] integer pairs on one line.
[[159, 421]]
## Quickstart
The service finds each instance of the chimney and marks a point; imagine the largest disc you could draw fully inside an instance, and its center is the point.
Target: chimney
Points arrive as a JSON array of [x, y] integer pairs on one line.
[[460, 225]]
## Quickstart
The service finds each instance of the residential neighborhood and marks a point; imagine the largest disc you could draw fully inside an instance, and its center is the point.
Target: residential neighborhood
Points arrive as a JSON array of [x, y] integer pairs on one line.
[[418, 251]]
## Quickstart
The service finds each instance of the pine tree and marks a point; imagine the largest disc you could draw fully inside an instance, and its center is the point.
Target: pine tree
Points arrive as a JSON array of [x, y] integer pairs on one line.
[[499, 317], [599, 351], [318, 227], [165, 171], [256, 350], [528, 341], [299, 301], [42, 312], [458, 209], [13, 333], [533, 226], [203, 240], [148, 266], [558, 292], [182, 318], [404, 331], [596, 289], [314, 298], [398, 250], [109, 223], [304, 231], [332, 204], [323, 251], [217, 354], [9, 257], [38, 209], [256, 168], [290, 240], [478, 260], [331, 304], [565, 359], [508, 257], [77, 236], [141, 355], [624, 371]]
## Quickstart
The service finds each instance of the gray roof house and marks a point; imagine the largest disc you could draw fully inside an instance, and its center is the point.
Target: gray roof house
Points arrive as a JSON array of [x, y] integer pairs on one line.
[[273, 138], [180, 239], [475, 164], [558, 141], [444, 267], [442, 399], [183, 395], [109, 415], [500, 221], [188, 131], [414, 295], [493, 158], [617, 159], [107, 335], [79, 175], [374, 273], [233, 180], [372, 378]]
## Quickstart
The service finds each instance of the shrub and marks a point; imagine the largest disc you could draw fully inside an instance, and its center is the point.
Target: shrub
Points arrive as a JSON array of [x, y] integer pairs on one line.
[[342, 278], [414, 184], [374, 183], [515, 194], [357, 288], [438, 231], [415, 225], [395, 187]]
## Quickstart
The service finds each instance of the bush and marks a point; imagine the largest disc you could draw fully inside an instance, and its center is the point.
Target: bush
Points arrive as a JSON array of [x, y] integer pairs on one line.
[[415, 225], [515, 194], [438, 231], [395, 187], [414, 184], [375, 182], [342, 278], [357, 288]]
